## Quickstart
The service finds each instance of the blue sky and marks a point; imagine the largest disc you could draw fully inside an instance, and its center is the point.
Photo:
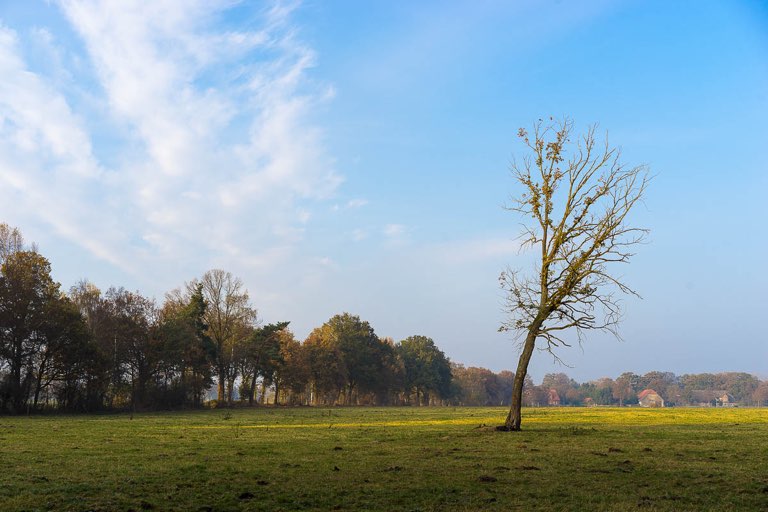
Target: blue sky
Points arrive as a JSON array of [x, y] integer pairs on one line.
[[353, 156]]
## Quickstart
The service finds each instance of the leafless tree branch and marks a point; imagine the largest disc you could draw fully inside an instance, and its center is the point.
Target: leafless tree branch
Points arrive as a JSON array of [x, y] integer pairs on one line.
[[576, 197]]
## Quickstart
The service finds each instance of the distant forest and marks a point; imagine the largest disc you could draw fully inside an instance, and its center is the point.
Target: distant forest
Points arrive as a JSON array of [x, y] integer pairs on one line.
[[478, 386], [87, 350]]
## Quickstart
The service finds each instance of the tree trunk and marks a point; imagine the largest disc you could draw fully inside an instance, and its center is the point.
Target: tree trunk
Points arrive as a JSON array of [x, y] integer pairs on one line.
[[221, 384], [252, 389], [39, 383], [230, 390], [17, 401], [515, 414], [38, 387], [349, 394], [196, 390]]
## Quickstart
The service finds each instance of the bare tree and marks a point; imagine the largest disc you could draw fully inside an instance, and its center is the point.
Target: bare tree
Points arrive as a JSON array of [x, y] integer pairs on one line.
[[575, 201], [11, 241], [230, 318]]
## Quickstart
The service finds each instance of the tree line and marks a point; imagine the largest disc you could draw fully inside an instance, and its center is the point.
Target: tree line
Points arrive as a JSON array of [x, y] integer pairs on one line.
[[480, 386], [91, 350], [86, 350]]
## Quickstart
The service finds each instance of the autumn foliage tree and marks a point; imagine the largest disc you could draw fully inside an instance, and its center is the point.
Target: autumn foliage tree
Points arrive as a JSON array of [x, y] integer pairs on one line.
[[575, 200], [30, 337], [292, 373]]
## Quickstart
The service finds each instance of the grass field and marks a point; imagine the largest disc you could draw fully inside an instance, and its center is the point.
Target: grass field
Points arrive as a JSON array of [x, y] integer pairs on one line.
[[388, 459]]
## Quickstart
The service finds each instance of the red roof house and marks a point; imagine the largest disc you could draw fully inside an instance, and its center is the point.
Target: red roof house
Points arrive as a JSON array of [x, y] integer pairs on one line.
[[650, 398]]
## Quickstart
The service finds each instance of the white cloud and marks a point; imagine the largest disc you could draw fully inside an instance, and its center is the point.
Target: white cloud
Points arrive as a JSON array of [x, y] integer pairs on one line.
[[38, 119], [46, 159], [394, 230], [326, 262], [356, 203], [211, 155]]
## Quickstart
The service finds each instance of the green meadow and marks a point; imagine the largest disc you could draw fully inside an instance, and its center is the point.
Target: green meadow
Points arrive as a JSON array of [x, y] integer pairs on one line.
[[413, 459]]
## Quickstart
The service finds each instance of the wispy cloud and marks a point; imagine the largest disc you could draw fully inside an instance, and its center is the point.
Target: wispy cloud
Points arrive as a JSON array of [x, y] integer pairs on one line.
[[356, 203], [352, 204], [210, 151], [46, 160], [394, 230]]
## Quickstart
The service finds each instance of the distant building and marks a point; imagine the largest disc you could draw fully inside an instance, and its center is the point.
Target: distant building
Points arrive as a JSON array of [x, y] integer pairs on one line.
[[553, 398], [650, 398], [712, 398], [726, 400]]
